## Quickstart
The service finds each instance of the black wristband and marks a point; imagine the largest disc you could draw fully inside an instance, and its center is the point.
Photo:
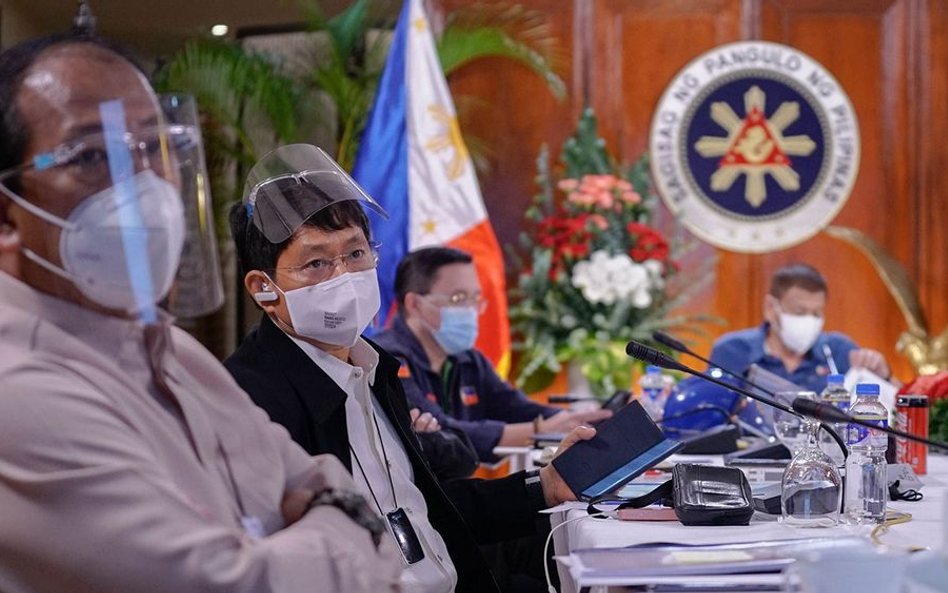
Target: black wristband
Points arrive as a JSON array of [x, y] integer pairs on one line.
[[355, 507]]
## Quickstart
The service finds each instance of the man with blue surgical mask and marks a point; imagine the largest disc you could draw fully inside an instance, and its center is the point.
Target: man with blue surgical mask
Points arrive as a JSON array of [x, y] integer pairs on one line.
[[129, 458], [433, 334], [791, 342]]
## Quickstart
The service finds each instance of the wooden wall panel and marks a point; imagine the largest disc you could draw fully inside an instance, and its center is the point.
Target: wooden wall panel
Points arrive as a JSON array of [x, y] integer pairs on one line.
[[864, 45], [930, 109], [637, 47], [891, 56], [514, 115]]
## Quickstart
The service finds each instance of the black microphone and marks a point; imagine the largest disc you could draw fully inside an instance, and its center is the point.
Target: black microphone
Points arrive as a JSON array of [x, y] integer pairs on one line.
[[801, 405], [658, 358], [653, 357], [678, 346], [830, 413]]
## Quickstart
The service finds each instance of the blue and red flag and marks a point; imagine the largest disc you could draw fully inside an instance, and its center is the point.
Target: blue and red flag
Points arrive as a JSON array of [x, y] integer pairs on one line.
[[413, 160]]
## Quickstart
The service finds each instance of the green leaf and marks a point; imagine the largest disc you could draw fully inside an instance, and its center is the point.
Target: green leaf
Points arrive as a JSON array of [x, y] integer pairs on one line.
[[501, 30], [348, 28], [232, 87]]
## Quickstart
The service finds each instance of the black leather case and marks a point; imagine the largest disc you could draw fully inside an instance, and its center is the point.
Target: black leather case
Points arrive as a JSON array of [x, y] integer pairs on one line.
[[711, 495]]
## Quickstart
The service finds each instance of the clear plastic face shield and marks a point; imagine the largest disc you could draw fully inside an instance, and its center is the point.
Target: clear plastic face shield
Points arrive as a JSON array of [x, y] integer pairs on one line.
[[197, 289], [291, 184], [132, 174]]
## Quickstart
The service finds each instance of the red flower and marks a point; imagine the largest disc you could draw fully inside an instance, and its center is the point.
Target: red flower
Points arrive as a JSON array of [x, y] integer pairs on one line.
[[649, 243], [567, 237]]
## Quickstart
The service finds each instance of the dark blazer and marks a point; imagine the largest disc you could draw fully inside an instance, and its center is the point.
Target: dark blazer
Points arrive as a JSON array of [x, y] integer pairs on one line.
[[295, 392]]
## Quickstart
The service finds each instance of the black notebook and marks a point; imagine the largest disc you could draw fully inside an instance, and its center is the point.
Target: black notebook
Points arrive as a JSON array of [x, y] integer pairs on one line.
[[624, 446]]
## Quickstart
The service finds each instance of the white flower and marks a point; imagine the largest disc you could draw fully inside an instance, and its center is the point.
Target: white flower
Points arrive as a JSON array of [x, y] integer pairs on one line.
[[607, 279]]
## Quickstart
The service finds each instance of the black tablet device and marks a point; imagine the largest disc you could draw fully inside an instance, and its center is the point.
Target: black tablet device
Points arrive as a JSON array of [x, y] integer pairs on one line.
[[625, 445]]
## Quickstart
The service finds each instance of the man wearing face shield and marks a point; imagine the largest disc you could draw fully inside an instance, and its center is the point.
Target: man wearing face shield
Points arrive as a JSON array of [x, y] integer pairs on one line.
[[130, 460], [791, 342], [326, 214], [304, 246]]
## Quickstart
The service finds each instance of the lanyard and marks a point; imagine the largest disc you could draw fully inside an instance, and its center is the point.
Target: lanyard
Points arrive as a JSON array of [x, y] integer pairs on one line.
[[447, 393], [388, 469]]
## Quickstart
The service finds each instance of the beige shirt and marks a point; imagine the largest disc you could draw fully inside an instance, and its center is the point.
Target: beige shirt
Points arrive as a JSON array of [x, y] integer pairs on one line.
[[101, 489], [435, 573]]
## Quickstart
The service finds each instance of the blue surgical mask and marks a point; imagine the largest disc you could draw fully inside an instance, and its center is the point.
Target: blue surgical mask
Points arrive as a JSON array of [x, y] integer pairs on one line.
[[458, 330]]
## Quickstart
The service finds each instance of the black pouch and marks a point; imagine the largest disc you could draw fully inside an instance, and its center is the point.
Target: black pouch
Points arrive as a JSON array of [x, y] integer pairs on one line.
[[701, 495], [711, 495]]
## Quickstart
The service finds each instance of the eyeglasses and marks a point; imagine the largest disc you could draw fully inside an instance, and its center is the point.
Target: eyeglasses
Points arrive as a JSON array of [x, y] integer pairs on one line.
[[460, 299], [321, 269], [87, 157]]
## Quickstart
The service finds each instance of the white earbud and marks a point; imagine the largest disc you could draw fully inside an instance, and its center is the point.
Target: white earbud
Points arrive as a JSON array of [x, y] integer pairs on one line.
[[266, 295]]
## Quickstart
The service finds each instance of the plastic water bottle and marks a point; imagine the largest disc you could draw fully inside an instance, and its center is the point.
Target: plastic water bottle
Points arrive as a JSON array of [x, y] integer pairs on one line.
[[654, 393], [836, 395], [866, 488]]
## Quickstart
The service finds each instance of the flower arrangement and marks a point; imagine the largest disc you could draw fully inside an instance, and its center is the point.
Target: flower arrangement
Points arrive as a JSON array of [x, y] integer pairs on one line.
[[596, 274]]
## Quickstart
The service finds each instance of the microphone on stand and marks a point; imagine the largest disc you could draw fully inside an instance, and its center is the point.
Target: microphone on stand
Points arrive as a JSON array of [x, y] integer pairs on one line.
[[658, 358], [678, 346], [801, 405]]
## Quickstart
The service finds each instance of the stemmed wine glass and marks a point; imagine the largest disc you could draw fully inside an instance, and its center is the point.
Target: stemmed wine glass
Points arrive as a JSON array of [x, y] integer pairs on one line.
[[811, 488]]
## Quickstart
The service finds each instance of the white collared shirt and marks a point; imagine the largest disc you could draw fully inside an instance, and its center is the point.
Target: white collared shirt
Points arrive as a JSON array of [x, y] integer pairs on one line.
[[435, 573]]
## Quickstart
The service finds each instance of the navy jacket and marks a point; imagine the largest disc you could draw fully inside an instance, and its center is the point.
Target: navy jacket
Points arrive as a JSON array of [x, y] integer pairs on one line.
[[467, 394], [282, 379], [736, 351]]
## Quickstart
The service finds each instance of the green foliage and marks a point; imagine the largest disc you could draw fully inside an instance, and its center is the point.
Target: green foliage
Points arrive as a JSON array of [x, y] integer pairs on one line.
[[232, 87], [350, 74], [938, 421], [482, 30]]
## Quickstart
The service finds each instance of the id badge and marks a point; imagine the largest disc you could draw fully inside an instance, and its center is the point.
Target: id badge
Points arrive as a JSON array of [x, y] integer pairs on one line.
[[405, 536]]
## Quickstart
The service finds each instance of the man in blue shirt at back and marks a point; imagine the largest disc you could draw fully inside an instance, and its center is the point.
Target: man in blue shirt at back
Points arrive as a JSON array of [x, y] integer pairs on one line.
[[791, 341], [443, 374]]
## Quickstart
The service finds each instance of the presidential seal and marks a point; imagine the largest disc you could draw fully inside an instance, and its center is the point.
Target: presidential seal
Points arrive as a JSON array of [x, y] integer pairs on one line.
[[755, 146]]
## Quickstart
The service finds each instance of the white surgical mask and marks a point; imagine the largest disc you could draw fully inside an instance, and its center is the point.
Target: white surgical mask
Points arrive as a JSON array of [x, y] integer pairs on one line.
[[108, 235], [337, 311], [799, 332]]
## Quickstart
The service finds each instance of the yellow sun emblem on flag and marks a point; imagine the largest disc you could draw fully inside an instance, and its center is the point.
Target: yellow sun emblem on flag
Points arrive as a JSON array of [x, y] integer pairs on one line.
[[450, 139], [755, 146]]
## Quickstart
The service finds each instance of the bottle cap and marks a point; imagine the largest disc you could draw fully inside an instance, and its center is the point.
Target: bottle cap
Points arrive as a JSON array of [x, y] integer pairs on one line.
[[835, 379], [867, 389], [653, 369]]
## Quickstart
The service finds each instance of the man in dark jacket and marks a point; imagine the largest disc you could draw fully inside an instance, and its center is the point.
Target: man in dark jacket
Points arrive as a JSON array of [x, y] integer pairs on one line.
[[439, 301], [303, 244]]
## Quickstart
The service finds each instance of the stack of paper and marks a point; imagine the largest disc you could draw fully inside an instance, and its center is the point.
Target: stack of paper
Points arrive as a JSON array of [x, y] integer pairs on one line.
[[744, 566]]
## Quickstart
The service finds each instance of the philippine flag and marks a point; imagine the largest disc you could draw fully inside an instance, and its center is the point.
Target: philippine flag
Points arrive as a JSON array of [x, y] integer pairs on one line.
[[413, 160]]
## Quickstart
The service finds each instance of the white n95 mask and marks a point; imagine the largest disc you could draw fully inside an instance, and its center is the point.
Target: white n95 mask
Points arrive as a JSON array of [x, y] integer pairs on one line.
[[799, 332], [121, 246], [336, 311]]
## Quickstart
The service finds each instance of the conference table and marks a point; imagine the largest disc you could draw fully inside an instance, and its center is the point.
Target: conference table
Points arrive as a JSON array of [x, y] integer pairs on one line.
[[926, 529]]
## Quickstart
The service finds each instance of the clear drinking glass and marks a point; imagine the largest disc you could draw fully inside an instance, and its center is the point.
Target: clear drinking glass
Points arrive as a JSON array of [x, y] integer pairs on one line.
[[787, 426], [811, 486]]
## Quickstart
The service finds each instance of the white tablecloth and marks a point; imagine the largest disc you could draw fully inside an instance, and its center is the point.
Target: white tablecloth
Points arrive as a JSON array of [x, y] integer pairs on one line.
[[926, 529]]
